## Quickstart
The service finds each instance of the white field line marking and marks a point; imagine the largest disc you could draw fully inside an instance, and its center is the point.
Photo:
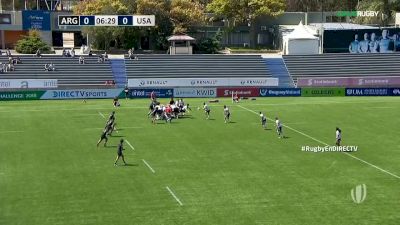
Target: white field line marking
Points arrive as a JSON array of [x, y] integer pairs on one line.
[[130, 145], [102, 115], [354, 157], [68, 109], [173, 195], [152, 170], [146, 107], [11, 131], [323, 103], [98, 128], [382, 107]]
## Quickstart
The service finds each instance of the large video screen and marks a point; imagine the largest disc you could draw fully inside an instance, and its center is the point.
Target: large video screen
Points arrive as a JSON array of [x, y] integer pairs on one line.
[[385, 40]]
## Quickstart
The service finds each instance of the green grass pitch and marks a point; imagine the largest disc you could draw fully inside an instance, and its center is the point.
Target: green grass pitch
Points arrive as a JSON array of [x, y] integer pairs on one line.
[[197, 171]]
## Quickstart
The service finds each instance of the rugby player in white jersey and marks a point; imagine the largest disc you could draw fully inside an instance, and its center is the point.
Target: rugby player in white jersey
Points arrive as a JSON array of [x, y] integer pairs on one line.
[[263, 120], [278, 125], [338, 136], [227, 114], [206, 110]]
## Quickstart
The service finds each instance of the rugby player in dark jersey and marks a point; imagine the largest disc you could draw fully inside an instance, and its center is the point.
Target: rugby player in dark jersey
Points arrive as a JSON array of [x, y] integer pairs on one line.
[[119, 152], [103, 137], [112, 116], [110, 125]]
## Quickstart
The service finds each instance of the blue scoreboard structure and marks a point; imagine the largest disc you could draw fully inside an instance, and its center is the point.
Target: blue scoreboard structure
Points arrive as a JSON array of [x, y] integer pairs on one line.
[[107, 20]]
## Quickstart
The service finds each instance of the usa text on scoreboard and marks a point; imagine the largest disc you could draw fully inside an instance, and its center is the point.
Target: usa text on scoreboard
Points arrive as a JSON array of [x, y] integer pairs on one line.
[[107, 20]]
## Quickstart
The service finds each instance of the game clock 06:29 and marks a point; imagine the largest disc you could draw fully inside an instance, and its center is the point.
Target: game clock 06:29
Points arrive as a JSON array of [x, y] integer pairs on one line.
[[106, 21]]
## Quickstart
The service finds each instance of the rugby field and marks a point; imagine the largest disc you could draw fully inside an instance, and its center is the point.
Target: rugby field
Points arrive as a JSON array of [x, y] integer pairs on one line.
[[197, 171]]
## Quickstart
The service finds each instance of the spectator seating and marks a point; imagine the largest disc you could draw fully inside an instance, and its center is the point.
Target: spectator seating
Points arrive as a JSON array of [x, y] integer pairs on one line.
[[69, 72], [196, 66], [343, 65]]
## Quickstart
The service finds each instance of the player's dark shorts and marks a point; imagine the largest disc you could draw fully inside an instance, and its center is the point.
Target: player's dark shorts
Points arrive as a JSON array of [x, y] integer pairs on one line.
[[280, 129], [228, 115], [263, 122], [104, 137], [120, 154], [208, 111], [338, 139]]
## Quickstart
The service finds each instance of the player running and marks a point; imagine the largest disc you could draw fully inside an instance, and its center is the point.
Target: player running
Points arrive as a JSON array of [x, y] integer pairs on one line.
[[119, 153], [206, 110], [263, 120], [338, 136], [278, 125], [227, 114], [103, 137], [111, 117], [116, 102], [110, 125]]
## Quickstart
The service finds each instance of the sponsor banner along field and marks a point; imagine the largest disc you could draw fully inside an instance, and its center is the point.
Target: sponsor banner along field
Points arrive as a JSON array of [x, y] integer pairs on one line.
[[349, 82], [27, 83], [203, 82], [21, 95], [372, 91], [279, 92], [322, 92], [145, 93], [240, 91], [82, 94], [195, 92]]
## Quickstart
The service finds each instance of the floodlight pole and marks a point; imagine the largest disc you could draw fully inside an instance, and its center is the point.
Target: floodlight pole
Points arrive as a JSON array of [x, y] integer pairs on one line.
[[322, 27]]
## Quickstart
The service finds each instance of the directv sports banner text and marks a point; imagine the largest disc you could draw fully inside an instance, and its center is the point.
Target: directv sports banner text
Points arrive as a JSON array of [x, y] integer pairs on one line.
[[322, 92], [204, 82], [145, 93], [372, 91], [195, 92], [82, 94], [280, 92], [27, 83], [240, 91], [21, 95]]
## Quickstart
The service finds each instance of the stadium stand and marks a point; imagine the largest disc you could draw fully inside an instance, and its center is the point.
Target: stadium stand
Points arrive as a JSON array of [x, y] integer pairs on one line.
[[278, 70], [343, 65], [196, 66], [69, 72]]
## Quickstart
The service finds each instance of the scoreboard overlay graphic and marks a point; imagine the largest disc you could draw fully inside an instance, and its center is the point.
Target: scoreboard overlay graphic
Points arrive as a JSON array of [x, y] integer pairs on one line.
[[107, 20]]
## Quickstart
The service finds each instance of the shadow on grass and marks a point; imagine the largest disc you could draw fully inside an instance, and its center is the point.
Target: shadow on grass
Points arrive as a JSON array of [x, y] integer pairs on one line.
[[131, 164], [117, 136], [111, 146]]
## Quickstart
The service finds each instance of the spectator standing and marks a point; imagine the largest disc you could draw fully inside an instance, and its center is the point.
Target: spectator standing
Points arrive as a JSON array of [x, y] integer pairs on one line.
[[105, 56], [81, 60], [38, 53], [72, 53]]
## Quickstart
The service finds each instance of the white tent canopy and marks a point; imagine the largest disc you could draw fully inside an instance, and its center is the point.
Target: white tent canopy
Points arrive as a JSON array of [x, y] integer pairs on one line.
[[300, 41]]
